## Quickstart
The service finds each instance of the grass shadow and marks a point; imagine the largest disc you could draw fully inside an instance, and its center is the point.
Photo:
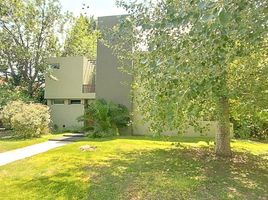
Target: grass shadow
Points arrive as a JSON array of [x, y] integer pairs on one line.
[[58, 185], [140, 171], [153, 138], [180, 174]]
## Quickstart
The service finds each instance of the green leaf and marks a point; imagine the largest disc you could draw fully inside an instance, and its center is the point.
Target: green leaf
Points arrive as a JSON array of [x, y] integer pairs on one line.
[[202, 5], [223, 16]]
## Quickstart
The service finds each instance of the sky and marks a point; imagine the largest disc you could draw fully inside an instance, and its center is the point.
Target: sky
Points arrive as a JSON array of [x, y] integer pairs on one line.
[[96, 7]]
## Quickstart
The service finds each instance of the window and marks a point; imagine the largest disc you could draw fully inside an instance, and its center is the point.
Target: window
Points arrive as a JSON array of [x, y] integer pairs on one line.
[[58, 101], [75, 101], [88, 88], [55, 65]]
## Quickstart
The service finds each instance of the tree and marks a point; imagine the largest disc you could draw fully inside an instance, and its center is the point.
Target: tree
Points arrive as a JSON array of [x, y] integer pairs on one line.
[[187, 60], [29, 31], [82, 38]]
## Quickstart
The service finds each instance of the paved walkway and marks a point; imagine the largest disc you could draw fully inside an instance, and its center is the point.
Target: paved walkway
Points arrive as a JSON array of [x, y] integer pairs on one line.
[[25, 152]]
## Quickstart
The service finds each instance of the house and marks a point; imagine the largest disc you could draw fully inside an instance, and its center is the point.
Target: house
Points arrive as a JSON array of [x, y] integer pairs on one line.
[[77, 84], [77, 81]]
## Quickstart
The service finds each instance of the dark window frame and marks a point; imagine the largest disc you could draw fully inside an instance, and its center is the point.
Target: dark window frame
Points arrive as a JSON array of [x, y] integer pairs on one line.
[[58, 102], [75, 101]]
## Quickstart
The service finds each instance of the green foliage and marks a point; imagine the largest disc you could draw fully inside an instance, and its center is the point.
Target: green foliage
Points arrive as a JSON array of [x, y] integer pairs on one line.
[[194, 58], [26, 120], [250, 124], [55, 128], [29, 32], [254, 127], [105, 119], [8, 94], [82, 38], [249, 104]]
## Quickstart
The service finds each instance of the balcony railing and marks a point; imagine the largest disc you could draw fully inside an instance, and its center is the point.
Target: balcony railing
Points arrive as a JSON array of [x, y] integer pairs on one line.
[[88, 88]]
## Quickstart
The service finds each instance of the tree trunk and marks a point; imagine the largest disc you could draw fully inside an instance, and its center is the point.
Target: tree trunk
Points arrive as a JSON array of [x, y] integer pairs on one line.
[[222, 139], [30, 89]]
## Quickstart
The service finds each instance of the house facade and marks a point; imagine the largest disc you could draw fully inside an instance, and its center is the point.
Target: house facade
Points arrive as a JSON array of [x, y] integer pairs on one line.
[[76, 81], [69, 90]]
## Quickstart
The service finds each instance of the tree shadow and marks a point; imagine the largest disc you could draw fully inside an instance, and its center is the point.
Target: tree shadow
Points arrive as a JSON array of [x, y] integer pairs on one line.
[[170, 173], [58, 186], [244, 176], [153, 138], [180, 174]]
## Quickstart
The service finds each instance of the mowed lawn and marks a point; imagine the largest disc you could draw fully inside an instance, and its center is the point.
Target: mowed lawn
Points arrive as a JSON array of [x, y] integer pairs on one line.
[[133, 168], [14, 143]]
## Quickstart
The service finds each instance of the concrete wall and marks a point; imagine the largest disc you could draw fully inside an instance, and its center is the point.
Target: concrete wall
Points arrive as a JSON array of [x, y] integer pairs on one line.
[[69, 79], [66, 115], [110, 81], [72, 74], [211, 128]]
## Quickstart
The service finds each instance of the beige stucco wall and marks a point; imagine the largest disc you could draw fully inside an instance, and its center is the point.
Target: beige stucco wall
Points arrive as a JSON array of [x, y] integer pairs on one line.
[[72, 74], [67, 115], [212, 129], [69, 79], [111, 83]]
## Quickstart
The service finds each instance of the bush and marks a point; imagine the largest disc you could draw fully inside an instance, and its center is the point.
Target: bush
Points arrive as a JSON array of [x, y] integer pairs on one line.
[[253, 125], [250, 118], [105, 119], [26, 120]]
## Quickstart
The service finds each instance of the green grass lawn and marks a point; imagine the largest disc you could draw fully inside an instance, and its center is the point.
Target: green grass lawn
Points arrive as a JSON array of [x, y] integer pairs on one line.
[[12, 143], [134, 168]]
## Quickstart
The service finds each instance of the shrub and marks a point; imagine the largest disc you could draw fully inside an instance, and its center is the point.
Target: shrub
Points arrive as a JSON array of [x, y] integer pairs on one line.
[[105, 119], [253, 125], [26, 120], [250, 119]]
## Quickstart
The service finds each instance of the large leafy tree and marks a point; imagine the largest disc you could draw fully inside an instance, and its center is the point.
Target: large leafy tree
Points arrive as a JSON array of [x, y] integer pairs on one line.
[[29, 31], [195, 59], [82, 37]]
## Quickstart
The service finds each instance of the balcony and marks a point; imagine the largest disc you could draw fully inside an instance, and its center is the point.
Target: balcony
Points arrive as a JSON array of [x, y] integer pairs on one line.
[[88, 88]]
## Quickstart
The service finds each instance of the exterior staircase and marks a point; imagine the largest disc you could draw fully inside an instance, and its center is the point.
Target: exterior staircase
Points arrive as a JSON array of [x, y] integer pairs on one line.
[[70, 137]]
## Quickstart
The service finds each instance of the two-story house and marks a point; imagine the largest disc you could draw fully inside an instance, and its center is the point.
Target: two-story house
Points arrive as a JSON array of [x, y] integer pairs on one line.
[[78, 81]]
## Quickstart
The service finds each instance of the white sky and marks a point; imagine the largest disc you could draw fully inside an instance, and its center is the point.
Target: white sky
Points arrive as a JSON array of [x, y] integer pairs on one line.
[[96, 7]]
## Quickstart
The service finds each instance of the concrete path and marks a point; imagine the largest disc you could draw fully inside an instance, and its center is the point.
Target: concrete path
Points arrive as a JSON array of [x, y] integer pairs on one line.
[[25, 152]]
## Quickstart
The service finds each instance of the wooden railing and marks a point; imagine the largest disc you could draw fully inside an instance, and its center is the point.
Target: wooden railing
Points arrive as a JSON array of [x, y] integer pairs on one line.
[[88, 88]]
